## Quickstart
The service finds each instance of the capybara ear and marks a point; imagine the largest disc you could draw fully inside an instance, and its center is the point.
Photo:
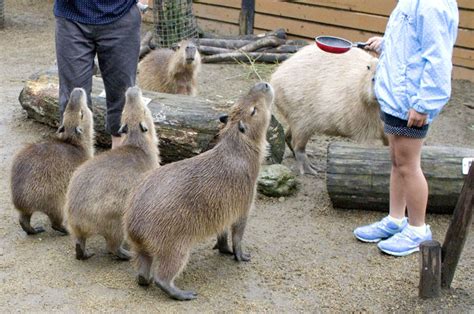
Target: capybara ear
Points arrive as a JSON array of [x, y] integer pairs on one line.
[[61, 129], [242, 127], [123, 129], [143, 127], [175, 46], [254, 110], [224, 118], [78, 130]]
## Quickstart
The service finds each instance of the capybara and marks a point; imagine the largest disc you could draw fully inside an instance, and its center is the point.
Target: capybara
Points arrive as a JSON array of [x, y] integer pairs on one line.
[[184, 202], [316, 91], [99, 188], [172, 71], [41, 172]]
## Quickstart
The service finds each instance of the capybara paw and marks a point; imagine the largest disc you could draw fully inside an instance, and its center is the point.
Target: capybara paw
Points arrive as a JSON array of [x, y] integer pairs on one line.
[[123, 255], [308, 168], [33, 231], [223, 249], [184, 295], [242, 257], [142, 281], [60, 229], [82, 254]]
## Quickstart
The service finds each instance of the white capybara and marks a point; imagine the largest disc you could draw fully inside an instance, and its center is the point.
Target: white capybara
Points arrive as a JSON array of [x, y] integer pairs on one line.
[[316, 91]]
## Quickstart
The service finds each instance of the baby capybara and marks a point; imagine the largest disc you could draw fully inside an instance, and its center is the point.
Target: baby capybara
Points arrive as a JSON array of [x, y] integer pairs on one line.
[[316, 91], [98, 191], [41, 172], [172, 71], [182, 203]]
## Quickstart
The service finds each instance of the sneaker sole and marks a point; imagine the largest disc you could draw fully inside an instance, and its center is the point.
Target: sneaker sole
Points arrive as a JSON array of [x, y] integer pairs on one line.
[[367, 240], [399, 254]]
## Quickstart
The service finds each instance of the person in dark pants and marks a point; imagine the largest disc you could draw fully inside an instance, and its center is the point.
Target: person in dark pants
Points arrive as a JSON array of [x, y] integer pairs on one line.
[[109, 29]]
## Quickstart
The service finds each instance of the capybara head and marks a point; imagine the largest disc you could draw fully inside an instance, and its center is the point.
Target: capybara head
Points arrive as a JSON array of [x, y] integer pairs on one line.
[[367, 87], [136, 117], [252, 113], [189, 55], [77, 122]]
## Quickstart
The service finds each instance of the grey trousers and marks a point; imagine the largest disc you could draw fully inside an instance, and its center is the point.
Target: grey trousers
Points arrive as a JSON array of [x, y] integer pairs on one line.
[[117, 46]]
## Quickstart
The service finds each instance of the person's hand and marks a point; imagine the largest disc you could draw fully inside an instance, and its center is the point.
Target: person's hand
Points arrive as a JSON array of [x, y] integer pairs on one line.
[[374, 44], [416, 119]]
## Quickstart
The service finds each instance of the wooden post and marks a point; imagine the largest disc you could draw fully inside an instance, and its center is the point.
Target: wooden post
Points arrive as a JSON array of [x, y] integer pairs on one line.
[[247, 16], [458, 230], [430, 274]]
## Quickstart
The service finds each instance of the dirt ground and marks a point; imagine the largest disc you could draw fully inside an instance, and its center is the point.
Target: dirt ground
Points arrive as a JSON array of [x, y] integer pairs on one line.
[[305, 257]]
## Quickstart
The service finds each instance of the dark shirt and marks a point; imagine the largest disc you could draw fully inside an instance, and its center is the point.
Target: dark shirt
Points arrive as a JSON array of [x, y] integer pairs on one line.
[[92, 11]]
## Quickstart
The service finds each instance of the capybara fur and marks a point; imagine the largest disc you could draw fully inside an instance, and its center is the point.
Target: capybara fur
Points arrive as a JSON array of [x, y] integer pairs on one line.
[[316, 91], [97, 195], [41, 172], [182, 203], [172, 71]]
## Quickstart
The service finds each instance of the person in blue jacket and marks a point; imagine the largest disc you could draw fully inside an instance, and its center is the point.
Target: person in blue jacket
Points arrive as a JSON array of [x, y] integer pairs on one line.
[[109, 29], [412, 84]]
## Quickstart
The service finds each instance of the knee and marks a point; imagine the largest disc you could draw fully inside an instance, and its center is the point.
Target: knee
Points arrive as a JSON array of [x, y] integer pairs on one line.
[[404, 168]]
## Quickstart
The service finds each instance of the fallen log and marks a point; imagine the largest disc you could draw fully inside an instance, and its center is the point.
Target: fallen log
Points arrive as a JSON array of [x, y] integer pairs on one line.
[[246, 57], [207, 50], [186, 125], [270, 41], [223, 43], [281, 49], [358, 177], [280, 33]]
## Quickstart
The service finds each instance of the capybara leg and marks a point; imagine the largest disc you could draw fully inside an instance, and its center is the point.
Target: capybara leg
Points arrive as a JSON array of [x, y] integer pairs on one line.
[[288, 140], [299, 142], [238, 229], [169, 267], [114, 247], [144, 262], [222, 244], [26, 226], [57, 223], [81, 253]]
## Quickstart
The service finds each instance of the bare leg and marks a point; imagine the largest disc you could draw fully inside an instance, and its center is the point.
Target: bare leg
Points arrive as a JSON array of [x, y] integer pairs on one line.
[[81, 253], [238, 229], [222, 245], [114, 247], [410, 185], [302, 161], [170, 265], [26, 226], [144, 262]]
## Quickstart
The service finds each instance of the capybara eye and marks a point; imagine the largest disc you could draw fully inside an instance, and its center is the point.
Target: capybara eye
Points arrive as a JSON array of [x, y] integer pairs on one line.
[[82, 114], [253, 111], [368, 67], [373, 79]]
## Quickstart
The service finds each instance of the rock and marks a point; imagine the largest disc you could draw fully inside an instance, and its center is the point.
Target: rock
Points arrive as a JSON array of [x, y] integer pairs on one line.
[[276, 181]]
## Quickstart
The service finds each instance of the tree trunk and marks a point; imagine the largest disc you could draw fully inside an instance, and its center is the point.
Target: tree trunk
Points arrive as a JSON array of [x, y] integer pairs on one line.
[[358, 177], [186, 125]]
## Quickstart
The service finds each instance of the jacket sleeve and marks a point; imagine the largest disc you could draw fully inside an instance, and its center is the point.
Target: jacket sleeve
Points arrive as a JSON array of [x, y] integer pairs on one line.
[[436, 38]]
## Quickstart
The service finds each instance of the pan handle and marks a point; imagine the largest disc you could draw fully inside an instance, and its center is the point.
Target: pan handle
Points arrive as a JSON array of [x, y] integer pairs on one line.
[[360, 44]]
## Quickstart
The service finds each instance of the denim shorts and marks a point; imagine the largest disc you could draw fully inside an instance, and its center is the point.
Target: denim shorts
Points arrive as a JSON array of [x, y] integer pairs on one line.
[[397, 126]]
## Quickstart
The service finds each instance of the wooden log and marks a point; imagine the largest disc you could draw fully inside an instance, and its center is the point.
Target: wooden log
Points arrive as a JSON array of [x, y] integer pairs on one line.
[[270, 41], [247, 17], [223, 43], [430, 273], [281, 49], [246, 57], [280, 33], [186, 125], [358, 176], [458, 230], [207, 50]]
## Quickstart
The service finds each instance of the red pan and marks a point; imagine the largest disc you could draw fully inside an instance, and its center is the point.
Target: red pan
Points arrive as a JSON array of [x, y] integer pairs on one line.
[[336, 45]]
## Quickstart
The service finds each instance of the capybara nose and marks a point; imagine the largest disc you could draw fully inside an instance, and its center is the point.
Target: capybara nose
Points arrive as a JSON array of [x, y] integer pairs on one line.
[[263, 86], [133, 92]]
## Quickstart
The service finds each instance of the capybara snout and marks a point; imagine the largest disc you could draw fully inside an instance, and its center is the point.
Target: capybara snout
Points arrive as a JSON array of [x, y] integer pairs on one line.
[[190, 52]]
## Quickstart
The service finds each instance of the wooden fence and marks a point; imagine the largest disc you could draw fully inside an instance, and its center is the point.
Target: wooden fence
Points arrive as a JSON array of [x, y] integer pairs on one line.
[[356, 20]]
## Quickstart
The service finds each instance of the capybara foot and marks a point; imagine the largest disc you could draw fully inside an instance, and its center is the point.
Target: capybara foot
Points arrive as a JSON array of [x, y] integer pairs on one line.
[[30, 230], [60, 229], [123, 254], [304, 165], [176, 293], [222, 244], [242, 257], [81, 253], [142, 281]]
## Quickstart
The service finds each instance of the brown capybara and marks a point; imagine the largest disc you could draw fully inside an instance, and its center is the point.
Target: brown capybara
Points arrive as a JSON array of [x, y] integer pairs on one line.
[[172, 71], [316, 91], [182, 203], [41, 172], [98, 190]]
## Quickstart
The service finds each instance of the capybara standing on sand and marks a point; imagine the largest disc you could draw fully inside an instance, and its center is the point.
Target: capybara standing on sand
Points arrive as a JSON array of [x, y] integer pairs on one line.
[[187, 201], [99, 189], [316, 91], [41, 172], [172, 71]]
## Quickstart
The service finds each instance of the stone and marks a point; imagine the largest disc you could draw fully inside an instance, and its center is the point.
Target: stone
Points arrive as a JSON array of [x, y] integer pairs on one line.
[[276, 181]]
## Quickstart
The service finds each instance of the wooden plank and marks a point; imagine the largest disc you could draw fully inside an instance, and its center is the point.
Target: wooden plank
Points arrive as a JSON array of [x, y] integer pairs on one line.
[[384, 7], [466, 4], [430, 272], [461, 73], [218, 27], [216, 13], [463, 57], [465, 38], [466, 18]]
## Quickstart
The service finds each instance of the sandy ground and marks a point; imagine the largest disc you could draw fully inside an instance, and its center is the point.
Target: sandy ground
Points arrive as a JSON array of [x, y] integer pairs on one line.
[[304, 255]]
